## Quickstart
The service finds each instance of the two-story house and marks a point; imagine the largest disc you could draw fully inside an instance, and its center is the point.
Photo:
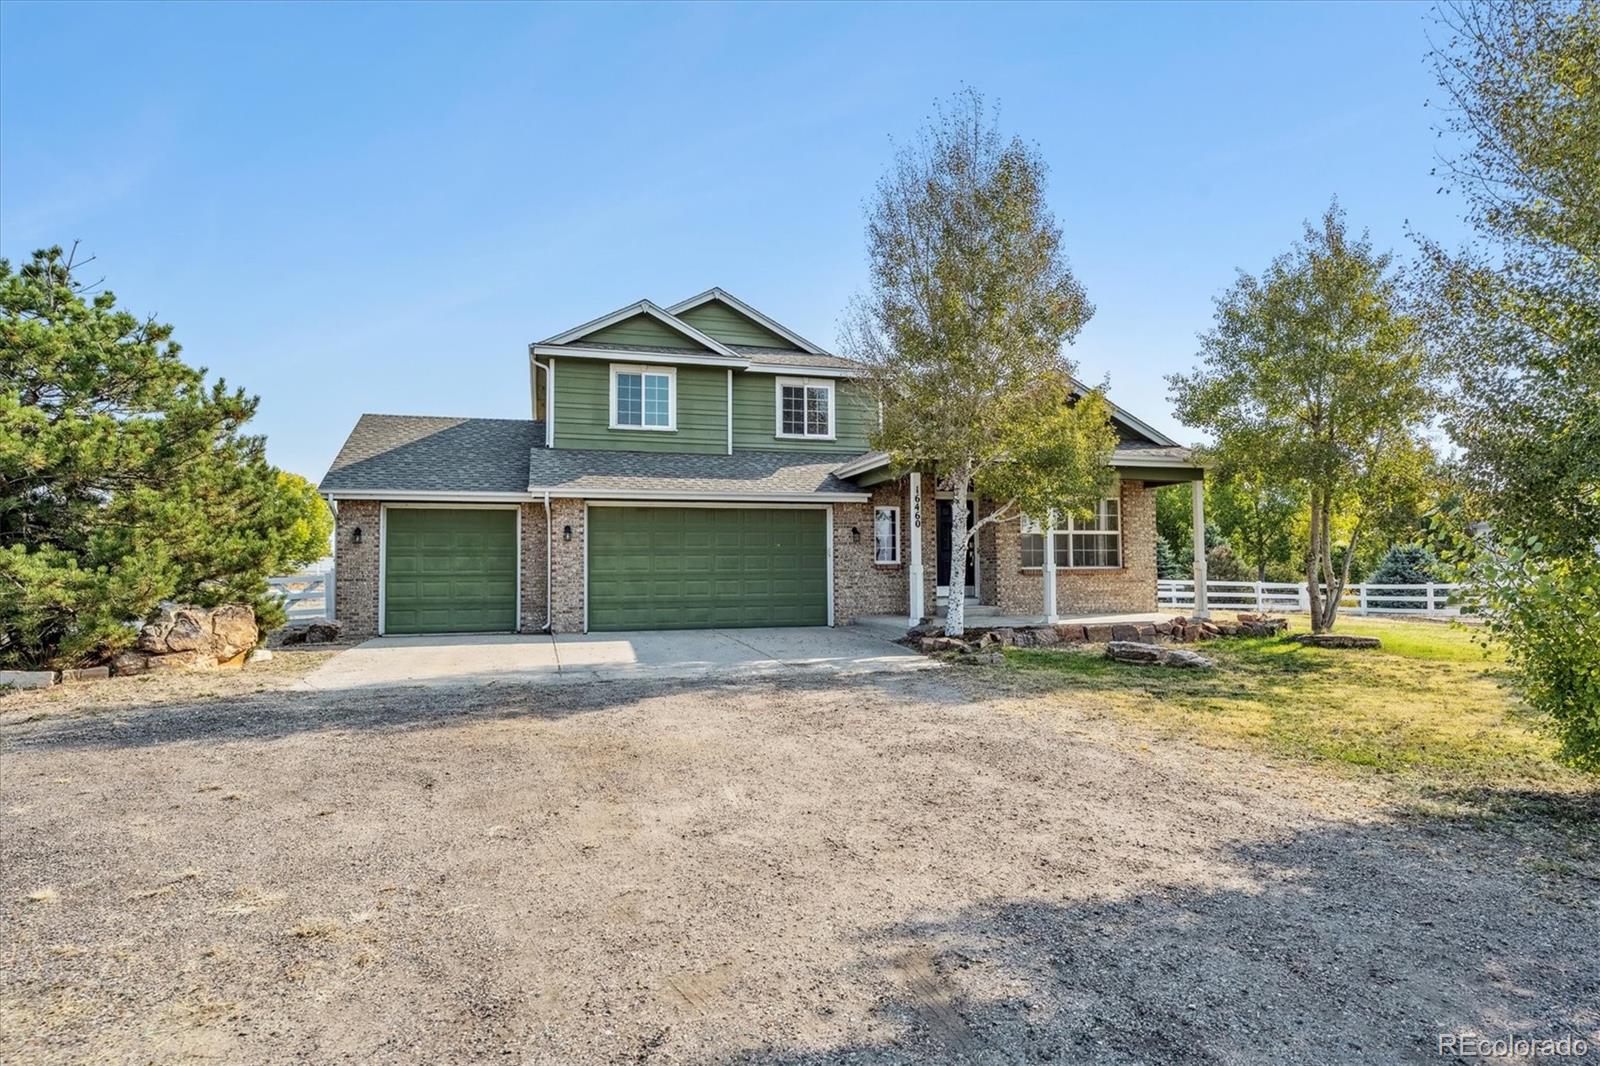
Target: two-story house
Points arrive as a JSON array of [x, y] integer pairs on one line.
[[697, 466]]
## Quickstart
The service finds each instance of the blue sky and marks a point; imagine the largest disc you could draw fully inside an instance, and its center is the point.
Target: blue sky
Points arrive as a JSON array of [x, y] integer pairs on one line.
[[375, 208]]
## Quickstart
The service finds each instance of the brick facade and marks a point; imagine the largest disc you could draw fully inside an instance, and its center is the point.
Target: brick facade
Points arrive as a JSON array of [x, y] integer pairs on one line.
[[355, 576], [861, 585], [566, 565], [1131, 588], [533, 568]]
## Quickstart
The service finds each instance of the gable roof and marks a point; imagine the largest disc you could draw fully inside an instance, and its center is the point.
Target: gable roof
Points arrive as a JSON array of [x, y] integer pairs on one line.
[[769, 324], [650, 310]]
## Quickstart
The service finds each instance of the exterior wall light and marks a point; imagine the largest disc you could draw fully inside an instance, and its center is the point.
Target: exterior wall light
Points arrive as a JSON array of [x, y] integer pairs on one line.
[[855, 535], [566, 532], [355, 538]]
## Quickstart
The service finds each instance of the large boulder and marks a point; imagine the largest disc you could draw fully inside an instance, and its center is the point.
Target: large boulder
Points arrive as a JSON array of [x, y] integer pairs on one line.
[[233, 630], [185, 637]]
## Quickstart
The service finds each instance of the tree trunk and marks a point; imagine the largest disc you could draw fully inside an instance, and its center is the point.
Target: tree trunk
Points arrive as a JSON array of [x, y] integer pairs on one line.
[[1313, 588], [955, 615]]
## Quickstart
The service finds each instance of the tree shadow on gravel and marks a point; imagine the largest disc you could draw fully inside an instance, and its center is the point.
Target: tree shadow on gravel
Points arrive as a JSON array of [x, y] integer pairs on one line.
[[287, 712], [1348, 943]]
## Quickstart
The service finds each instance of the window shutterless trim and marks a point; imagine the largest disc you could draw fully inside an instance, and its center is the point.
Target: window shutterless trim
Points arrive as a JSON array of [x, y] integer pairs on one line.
[[804, 384], [894, 539], [667, 372]]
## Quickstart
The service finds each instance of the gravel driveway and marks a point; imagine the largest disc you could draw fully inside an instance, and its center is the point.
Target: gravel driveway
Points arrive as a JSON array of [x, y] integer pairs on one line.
[[798, 869]]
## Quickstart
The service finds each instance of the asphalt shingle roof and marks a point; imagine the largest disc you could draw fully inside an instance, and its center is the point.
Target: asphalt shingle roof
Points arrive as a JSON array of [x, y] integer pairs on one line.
[[417, 453], [1151, 452], [788, 357], [562, 470]]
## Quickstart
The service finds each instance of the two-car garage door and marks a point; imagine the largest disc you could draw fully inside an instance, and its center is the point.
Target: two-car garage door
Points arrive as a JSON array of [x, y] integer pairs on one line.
[[707, 567]]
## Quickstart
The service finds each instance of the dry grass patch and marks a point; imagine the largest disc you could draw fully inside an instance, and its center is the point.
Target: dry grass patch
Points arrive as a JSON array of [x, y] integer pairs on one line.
[[43, 895]]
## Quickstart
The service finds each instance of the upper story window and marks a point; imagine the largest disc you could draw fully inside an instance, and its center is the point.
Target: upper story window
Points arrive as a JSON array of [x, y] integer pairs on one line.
[[644, 397], [805, 408]]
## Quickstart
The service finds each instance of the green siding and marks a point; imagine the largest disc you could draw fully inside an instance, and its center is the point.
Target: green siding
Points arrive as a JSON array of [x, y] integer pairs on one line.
[[721, 322], [583, 411], [644, 330], [449, 571], [697, 568], [755, 417]]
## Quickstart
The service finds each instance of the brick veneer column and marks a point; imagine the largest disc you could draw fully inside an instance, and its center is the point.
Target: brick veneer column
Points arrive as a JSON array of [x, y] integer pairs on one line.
[[566, 565], [355, 578], [533, 568]]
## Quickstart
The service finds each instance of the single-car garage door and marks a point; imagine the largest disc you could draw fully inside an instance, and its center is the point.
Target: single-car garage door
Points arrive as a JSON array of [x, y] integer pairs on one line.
[[707, 567], [450, 570]]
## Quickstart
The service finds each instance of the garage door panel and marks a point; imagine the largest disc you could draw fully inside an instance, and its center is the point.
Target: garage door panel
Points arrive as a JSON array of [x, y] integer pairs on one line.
[[450, 570], [706, 567]]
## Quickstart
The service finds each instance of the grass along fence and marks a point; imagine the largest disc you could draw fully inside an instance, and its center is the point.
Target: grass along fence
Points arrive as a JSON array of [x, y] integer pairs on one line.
[[1431, 601]]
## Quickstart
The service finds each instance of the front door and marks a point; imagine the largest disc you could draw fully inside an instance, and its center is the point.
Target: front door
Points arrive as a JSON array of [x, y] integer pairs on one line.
[[946, 543]]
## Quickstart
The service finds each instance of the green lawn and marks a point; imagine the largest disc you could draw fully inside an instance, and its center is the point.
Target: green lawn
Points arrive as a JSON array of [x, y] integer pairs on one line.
[[1430, 707]]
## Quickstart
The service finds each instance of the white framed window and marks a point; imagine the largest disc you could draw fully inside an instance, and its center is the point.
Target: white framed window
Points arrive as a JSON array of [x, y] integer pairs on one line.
[[1032, 544], [886, 535], [805, 408], [644, 397], [1083, 544]]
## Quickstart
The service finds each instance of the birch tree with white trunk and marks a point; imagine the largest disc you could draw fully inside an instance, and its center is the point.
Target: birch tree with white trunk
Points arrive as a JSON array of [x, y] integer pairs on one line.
[[970, 306]]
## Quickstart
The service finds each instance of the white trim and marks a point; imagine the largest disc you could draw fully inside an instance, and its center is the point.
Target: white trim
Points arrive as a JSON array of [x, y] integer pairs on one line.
[[914, 592], [643, 307], [549, 601], [688, 358], [550, 404], [828, 537], [897, 531], [383, 549], [442, 498], [805, 385], [585, 532], [749, 312], [810, 372], [1175, 464], [730, 410], [670, 373], [637, 499], [861, 464]]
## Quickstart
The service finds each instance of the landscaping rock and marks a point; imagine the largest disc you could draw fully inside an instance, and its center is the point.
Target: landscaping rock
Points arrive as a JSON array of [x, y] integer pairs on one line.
[[323, 632], [233, 630], [1260, 625], [929, 645], [1337, 640], [1125, 632], [1183, 657], [86, 673], [223, 633], [1046, 636], [1097, 634], [183, 660], [1129, 651], [130, 662], [982, 658], [1004, 635], [27, 678], [1071, 634]]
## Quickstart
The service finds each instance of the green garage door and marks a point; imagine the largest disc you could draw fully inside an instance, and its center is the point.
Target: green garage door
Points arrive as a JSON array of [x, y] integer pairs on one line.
[[706, 567], [450, 571]]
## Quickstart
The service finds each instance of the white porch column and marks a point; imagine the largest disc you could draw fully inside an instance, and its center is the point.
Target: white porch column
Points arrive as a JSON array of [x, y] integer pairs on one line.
[[914, 568], [1050, 614], [1200, 608]]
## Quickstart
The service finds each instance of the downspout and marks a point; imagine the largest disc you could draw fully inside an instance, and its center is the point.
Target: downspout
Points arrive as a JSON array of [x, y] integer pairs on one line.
[[549, 542]]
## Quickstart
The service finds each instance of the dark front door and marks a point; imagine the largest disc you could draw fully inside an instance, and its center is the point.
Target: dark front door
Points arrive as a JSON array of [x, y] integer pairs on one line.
[[947, 547]]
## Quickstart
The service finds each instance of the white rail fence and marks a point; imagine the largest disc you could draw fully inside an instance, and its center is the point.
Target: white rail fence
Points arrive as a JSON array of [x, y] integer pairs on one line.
[[1433, 601], [307, 597]]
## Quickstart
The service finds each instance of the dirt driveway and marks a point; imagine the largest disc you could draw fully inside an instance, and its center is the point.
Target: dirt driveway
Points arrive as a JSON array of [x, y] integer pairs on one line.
[[797, 869]]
